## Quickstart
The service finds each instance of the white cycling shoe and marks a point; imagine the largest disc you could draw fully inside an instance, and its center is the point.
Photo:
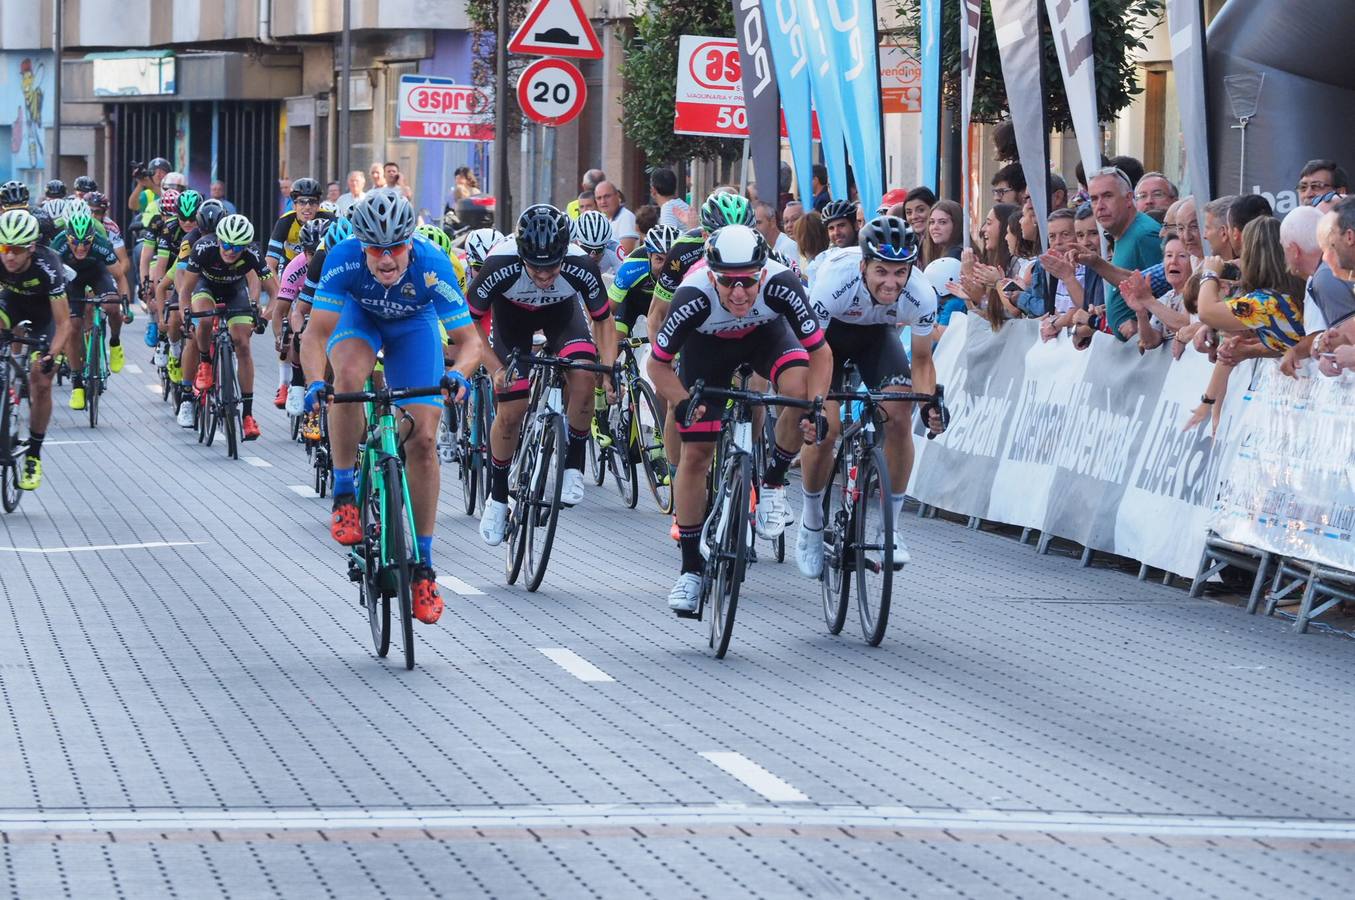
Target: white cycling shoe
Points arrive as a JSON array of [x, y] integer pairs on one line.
[[296, 400], [494, 522], [809, 551], [186, 414], [686, 593], [901, 555], [771, 512], [571, 492]]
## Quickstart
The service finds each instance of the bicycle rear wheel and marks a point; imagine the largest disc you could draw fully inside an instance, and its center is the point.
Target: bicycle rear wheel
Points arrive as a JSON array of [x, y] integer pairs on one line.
[[10, 495], [730, 553], [94, 382], [544, 511], [397, 530], [874, 546], [648, 429], [834, 583], [375, 600], [467, 462], [597, 461]]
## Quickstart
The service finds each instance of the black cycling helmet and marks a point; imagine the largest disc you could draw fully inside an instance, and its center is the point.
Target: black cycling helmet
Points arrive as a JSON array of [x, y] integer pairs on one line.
[[312, 233], [160, 164], [13, 193], [306, 187], [86, 183], [543, 235], [97, 200], [890, 239], [55, 189], [209, 213], [839, 209]]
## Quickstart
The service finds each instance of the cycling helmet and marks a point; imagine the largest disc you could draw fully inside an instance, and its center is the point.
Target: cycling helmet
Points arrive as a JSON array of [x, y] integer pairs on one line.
[[592, 230], [76, 206], [14, 193], [723, 208], [18, 227], [478, 244], [169, 201], [329, 206], [79, 223], [189, 202], [383, 218], [436, 236], [838, 209], [234, 229], [312, 233], [339, 229], [660, 238], [54, 207], [159, 164], [55, 188], [543, 235], [86, 183], [888, 238], [174, 180], [941, 272], [97, 200], [734, 248], [306, 187], [210, 212]]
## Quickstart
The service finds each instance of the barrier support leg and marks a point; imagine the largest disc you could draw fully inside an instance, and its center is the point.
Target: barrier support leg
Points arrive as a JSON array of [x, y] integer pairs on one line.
[[1306, 606], [1043, 547], [973, 523], [1258, 583], [1025, 533], [1086, 556], [1143, 571], [1209, 567]]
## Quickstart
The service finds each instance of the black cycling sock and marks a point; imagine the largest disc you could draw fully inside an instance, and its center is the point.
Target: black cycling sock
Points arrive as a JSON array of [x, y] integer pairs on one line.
[[578, 443], [35, 443], [298, 377], [77, 380], [498, 479], [115, 342], [246, 404], [775, 476], [689, 538]]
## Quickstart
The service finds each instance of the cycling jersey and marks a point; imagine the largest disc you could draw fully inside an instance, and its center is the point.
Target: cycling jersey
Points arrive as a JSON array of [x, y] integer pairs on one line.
[[631, 290], [504, 277], [684, 254], [839, 293], [697, 310], [28, 295], [293, 278], [114, 234], [313, 272], [170, 241], [90, 273], [285, 241], [205, 260], [186, 246]]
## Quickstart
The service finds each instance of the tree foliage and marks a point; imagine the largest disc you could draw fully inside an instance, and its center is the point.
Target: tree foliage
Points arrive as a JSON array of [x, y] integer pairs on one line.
[[650, 72], [483, 15], [1118, 29]]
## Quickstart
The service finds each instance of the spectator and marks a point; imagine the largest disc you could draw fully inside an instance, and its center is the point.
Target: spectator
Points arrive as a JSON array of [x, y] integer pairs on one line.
[[285, 190], [1216, 227], [942, 237], [1137, 245], [1131, 167], [609, 204], [811, 237], [1057, 284], [646, 217], [1339, 256], [791, 214], [1085, 232], [377, 176], [464, 183], [663, 190], [985, 274], [895, 197], [356, 183], [147, 188], [218, 192], [584, 202], [1188, 227], [1154, 191], [1058, 192], [765, 223], [818, 186], [590, 180], [944, 274], [1023, 240], [917, 206], [1160, 319], [1303, 257], [1009, 184], [332, 192], [1318, 177], [394, 179], [1334, 280], [1242, 211]]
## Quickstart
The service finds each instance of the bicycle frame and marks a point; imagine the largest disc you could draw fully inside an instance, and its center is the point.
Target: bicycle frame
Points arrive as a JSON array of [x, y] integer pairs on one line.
[[382, 443]]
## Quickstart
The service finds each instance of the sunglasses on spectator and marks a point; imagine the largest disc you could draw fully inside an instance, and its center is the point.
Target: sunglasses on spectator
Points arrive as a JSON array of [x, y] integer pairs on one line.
[[376, 252], [15, 248], [743, 281], [1314, 186], [999, 193], [233, 248]]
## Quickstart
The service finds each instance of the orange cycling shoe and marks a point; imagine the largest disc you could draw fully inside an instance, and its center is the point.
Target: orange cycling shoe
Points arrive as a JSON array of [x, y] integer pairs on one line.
[[424, 592], [249, 428], [280, 398], [344, 524], [204, 379]]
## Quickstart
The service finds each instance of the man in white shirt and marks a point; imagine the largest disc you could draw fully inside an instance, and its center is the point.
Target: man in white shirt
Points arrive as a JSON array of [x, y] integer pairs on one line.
[[609, 202], [356, 182], [765, 222]]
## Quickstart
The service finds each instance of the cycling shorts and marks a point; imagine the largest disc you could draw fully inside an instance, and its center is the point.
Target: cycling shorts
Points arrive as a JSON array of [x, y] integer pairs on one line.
[[15, 308], [239, 311], [412, 346], [770, 349], [568, 335], [875, 349], [627, 313], [98, 282]]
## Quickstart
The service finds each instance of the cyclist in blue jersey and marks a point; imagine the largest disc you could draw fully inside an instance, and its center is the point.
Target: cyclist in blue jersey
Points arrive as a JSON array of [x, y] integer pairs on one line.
[[388, 290]]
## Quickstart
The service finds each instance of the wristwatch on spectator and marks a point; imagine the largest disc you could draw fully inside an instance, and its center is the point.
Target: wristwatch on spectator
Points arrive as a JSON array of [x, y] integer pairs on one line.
[[1208, 400]]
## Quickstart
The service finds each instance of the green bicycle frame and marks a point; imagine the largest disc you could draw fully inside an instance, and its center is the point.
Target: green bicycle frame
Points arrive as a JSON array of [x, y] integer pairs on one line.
[[381, 445], [92, 334]]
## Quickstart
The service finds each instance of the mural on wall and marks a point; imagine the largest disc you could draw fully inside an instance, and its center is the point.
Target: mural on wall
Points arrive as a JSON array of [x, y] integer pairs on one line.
[[25, 111]]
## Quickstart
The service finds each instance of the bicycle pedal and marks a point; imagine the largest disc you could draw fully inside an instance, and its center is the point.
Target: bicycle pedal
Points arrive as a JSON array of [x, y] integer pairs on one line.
[[684, 614]]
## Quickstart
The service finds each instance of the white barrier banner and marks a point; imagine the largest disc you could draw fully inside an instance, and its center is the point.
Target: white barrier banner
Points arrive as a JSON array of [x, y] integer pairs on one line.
[[1084, 445], [1290, 488]]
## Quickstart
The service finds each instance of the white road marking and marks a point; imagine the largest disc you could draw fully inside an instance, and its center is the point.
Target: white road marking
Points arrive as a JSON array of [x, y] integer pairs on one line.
[[456, 585], [151, 545], [755, 777], [60, 443], [302, 490], [154, 388], [258, 462], [132, 368], [575, 664]]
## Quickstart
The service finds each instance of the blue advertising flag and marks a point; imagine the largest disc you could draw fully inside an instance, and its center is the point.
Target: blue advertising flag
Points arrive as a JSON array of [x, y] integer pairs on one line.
[[929, 168], [851, 33], [786, 35], [827, 97]]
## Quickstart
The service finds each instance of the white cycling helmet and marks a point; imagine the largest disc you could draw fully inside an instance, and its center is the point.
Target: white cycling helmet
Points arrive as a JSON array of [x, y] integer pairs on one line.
[[478, 244], [235, 229], [328, 206], [941, 272], [383, 218], [592, 230], [660, 238], [55, 207]]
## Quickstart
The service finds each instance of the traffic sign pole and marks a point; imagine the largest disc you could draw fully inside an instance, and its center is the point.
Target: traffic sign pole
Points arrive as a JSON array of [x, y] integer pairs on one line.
[[503, 211]]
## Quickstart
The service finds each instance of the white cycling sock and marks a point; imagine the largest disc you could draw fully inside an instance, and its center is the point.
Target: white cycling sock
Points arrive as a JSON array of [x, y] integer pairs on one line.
[[811, 513], [897, 500], [284, 373]]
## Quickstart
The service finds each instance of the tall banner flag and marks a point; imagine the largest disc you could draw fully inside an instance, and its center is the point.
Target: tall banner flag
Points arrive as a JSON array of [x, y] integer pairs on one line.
[[760, 98], [1185, 22], [1071, 22], [790, 57], [851, 30], [1017, 25], [827, 98], [970, 16], [929, 165]]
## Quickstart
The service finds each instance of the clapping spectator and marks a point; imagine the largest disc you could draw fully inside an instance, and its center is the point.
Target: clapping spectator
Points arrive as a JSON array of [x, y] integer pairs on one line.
[[1160, 319], [1056, 284], [942, 237]]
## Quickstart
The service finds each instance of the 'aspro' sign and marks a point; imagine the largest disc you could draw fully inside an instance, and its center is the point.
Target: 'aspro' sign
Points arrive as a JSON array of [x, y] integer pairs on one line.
[[439, 109]]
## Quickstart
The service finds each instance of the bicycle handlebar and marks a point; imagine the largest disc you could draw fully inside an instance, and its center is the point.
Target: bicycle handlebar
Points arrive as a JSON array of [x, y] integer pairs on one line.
[[882, 396], [385, 395], [699, 392], [557, 362], [38, 343]]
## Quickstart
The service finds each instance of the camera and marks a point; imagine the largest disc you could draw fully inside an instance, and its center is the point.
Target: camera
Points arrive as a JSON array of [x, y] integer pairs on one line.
[[139, 171]]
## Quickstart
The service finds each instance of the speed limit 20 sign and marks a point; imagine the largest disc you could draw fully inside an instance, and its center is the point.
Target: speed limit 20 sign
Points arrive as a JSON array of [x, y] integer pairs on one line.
[[551, 91]]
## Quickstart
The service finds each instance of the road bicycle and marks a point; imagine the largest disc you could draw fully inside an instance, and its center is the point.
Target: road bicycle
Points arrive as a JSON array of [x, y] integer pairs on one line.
[[14, 408], [463, 438], [634, 428], [537, 473], [218, 408], [383, 562], [96, 372], [858, 514], [727, 533]]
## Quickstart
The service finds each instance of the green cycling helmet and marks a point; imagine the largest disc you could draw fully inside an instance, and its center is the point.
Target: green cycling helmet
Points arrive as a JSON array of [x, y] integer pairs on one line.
[[19, 227], [80, 225], [436, 236], [723, 208], [189, 201], [235, 229]]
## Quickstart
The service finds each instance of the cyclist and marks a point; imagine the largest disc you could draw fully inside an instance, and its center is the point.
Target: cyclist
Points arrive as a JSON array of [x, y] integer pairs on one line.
[[174, 231], [592, 231], [90, 256], [55, 190], [388, 290], [146, 255], [293, 279], [723, 207], [863, 297], [13, 195], [742, 309], [340, 229], [478, 245], [84, 186], [283, 245], [533, 282], [33, 289], [839, 217], [225, 268]]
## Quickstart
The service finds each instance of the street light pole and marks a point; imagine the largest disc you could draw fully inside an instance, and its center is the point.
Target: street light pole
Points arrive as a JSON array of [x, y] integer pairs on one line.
[[345, 85], [55, 171], [503, 200]]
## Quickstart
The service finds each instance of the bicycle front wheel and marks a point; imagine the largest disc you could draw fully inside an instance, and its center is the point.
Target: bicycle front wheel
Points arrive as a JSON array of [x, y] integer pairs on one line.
[[230, 399], [396, 528], [623, 456], [543, 513], [459, 427], [9, 448], [484, 415], [732, 534], [874, 546], [648, 429], [94, 378], [374, 599], [834, 583]]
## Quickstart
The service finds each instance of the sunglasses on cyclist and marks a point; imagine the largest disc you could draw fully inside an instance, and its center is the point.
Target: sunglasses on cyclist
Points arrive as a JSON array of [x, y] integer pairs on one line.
[[306, 201], [376, 252], [16, 248], [234, 248], [896, 254], [83, 242], [743, 281]]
